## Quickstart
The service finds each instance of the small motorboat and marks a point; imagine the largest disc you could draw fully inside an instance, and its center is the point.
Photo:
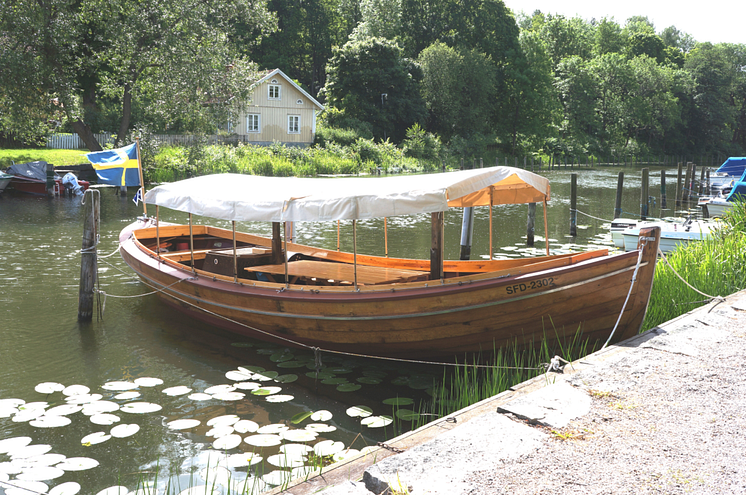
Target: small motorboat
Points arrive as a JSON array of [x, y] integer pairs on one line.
[[31, 178], [4, 180], [673, 234]]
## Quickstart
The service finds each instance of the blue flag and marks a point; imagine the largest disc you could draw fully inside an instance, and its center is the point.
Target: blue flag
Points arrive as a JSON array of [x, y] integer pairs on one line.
[[119, 167], [138, 196]]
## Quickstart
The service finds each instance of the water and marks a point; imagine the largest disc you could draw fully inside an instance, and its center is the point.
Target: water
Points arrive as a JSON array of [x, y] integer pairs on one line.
[[42, 341]]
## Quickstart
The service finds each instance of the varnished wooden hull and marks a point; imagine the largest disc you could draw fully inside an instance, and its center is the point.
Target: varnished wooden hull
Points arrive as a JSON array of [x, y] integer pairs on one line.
[[478, 312]]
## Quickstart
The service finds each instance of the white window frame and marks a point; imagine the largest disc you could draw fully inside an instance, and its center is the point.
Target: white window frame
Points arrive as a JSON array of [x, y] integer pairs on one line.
[[293, 124], [278, 89], [258, 123]]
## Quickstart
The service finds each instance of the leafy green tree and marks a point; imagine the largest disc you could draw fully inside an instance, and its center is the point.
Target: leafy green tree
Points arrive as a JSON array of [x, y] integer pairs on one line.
[[565, 37], [649, 44], [379, 19], [578, 91], [609, 38], [369, 80]]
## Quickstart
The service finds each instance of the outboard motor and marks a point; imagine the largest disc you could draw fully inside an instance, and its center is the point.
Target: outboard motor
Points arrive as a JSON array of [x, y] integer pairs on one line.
[[71, 182]]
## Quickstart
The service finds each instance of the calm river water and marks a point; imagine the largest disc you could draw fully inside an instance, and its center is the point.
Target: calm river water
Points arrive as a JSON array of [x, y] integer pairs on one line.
[[138, 337]]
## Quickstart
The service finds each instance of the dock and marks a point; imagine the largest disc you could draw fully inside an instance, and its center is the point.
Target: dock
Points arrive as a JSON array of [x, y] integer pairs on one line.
[[662, 412]]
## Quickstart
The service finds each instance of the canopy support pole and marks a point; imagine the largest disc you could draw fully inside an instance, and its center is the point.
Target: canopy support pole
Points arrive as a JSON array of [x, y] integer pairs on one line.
[[191, 244], [385, 237], [354, 251], [337, 235], [546, 230], [436, 245], [157, 233], [235, 255], [142, 181], [492, 190], [287, 279]]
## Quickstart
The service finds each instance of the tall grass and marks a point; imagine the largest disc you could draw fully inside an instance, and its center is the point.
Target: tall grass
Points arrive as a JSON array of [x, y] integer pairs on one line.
[[715, 266], [58, 158]]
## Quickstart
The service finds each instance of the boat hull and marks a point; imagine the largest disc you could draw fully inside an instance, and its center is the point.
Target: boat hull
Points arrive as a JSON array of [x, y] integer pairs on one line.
[[39, 188], [440, 319]]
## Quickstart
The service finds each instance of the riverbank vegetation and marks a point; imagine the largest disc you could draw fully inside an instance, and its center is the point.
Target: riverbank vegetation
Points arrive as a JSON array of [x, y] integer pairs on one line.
[[474, 77]]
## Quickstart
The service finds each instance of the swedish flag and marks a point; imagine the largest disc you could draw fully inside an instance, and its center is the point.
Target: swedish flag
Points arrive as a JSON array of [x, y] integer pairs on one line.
[[119, 167]]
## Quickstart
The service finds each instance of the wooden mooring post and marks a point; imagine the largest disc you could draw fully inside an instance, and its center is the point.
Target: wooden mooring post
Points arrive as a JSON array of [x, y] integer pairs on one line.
[[644, 194], [663, 190], [530, 221], [687, 183], [679, 173], [88, 251], [573, 204], [619, 189]]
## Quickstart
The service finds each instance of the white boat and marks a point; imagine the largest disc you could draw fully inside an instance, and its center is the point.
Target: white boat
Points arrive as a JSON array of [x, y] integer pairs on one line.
[[619, 225], [715, 207], [4, 180], [672, 234]]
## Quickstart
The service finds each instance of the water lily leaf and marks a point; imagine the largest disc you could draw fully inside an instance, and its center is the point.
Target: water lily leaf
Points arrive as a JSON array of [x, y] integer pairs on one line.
[[127, 395], [183, 424], [289, 378], [247, 385], [69, 488], [22, 487], [124, 430], [359, 411], [224, 420], [49, 387], [321, 428], [322, 415], [64, 410], [238, 376], [341, 370], [227, 442], [251, 369], [266, 376], [295, 449], [94, 438], [243, 459], [140, 407], [266, 391], [328, 447], [263, 440], [175, 391], [407, 415], [280, 357], [98, 407], [245, 426], [114, 490], [78, 463], [348, 387], [50, 422], [40, 473], [219, 389], [334, 381], [300, 417], [399, 401], [229, 396], [83, 399], [147, 381], [201, 490], [29, 451], [277, 478], [400, 380], [199, 396], [369, 380], [267, 351], [75, 390], [299, 435], [273, 428], [345, 454], [104, 419], [284, 461], [377, 421], [291, 364], [276, 399], [46, 459], [220, 431]]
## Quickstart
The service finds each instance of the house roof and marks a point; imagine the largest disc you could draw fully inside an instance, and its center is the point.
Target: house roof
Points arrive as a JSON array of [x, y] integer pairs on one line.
[[278, 72]]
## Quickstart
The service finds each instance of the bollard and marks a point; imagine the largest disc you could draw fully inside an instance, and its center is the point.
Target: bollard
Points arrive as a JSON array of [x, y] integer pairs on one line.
[[618, 202], [89, 259], [573, 204], [644, 194]]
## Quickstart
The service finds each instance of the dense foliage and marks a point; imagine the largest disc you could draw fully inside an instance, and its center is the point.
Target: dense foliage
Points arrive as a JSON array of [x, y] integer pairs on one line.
[[471, 73]]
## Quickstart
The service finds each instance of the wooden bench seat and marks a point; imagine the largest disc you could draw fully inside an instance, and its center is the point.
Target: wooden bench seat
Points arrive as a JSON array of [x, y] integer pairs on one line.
[[326, 273]]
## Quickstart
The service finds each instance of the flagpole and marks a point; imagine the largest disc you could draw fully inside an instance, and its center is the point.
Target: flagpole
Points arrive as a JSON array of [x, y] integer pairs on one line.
[[142, 182]]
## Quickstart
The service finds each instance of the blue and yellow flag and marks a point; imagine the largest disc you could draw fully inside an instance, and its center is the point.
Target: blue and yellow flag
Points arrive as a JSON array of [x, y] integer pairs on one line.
[[117, 167]]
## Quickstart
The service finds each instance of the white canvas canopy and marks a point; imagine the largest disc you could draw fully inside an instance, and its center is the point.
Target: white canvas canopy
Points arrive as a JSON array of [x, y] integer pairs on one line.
[[237, 197]]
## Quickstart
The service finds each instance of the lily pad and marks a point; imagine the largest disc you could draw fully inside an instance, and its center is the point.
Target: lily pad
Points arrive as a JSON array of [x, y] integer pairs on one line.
[[220, 431], [119, 386], [359, 411], [49, 387], [224, 420], [291, 364], [251, 369], [273, 428], [334, 381], [141, 407], [263, 440], [399, 401], [247, 385], [176, 391], [69, 488], [266, 376], [321, 428], [407, 415], [377, 421], [78, 463], [322, 415], [114, 490], [348, 387], [104, 419], [245, 426], [280, 357], [289, 378], [99, 407], [10, 444], [285, 461], [219, 389], [84, 399], [147, 381], [229, 396], [40, 473], [75, 390], [50, 422], [345, 454], [46, 459], [183, 424], [243, 459], [227, 442], [295, 449], [64, 410], [277, 478], [300, 417], [368, 380], [94, 438], [21, 487], [127, 395], [275, 399], [29, 451], [201, 490], [299, 435], [124, 430], [242, 344], [238, 376], [328, 448], [199, 396]]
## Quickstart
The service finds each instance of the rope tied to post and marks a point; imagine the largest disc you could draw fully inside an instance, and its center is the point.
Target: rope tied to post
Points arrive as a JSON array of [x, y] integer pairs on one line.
[[644, 242]]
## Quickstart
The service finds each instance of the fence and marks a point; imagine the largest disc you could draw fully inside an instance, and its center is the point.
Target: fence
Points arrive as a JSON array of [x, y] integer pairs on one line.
[[73, 141]]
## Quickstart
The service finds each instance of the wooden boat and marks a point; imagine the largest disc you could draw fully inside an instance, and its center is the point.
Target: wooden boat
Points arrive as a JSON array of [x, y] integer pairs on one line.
[[31, 178], [376, 305]]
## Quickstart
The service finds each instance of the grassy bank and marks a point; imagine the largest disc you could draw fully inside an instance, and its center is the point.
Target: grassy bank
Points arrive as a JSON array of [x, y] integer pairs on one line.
[[58, 158]]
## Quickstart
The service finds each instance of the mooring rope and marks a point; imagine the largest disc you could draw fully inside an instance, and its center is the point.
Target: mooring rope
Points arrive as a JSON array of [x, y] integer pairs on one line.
[[631, 285], [591, 216], [719, 299]]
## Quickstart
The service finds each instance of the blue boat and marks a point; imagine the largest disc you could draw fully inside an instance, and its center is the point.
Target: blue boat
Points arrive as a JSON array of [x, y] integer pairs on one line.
[[723, 179], [718, 206]]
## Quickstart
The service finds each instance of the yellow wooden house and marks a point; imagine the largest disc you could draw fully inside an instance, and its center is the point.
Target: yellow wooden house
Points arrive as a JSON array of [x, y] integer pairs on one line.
[[280, 110]]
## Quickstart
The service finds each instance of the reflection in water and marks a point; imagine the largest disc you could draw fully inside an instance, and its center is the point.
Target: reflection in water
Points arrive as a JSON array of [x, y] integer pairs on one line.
[[141, 337]]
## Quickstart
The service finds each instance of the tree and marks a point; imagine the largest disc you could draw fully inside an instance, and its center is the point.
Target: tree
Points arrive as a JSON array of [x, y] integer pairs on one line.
[[370, 80], [175, 55], [379, 19], [609, 37], [649, 44]]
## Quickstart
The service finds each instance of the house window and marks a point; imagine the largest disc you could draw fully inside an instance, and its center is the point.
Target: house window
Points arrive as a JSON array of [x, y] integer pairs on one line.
[[293, 124], [252, 122], [274, 91], [299, 101]]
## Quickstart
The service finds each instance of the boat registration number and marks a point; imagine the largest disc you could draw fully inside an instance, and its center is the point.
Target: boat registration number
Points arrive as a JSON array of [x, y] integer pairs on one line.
[[534, 284]]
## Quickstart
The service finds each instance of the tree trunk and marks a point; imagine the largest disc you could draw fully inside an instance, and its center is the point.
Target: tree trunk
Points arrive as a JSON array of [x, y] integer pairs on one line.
[[126, 114], [85, 133]]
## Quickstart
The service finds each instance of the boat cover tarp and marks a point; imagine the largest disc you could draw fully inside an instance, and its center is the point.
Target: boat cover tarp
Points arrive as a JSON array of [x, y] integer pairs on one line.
[[31, 170], [734, 166], [292, 199], [739, 189]]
